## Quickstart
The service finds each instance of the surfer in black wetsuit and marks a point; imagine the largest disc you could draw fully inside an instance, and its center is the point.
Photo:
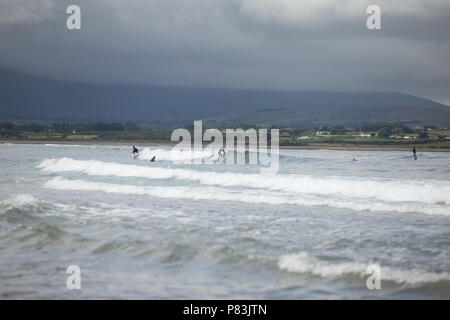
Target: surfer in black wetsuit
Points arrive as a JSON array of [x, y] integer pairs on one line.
[[135, 151], [153, 159], [414, 152], [222, 154]]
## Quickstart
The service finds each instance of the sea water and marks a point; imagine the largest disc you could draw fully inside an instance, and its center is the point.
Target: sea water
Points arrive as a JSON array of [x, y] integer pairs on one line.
[[163, 230]]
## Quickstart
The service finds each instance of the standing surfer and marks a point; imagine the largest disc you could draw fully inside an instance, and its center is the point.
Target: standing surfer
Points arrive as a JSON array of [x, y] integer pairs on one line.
[[222, 154], [414, 152], [135, 151]]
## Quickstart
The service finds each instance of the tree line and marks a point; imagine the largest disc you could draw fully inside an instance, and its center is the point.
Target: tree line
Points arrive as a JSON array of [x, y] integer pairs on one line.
[[104, 130], [131, 130]]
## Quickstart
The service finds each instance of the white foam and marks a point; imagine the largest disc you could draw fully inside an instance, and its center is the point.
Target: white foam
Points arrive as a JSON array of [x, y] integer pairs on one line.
[[62, 145], [19, 201], [306, 264], [389, 190], [246, 196], [175, 155]]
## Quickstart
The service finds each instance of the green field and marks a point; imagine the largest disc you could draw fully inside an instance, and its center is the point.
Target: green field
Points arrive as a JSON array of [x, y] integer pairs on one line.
[[82, 137], [384, 135]]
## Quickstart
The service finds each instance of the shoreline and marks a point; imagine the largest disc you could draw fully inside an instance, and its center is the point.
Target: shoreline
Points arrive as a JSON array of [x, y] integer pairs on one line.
[[169, 143]]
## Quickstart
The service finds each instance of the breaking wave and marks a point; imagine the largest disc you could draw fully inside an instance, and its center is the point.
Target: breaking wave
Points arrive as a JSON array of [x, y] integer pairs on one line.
[[306, 264], [23, 208], [175, 155], [434, 192], [20, 202], [247, 196]]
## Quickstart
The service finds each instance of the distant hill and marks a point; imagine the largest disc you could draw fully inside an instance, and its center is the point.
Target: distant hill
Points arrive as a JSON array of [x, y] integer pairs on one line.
[[27, 97]]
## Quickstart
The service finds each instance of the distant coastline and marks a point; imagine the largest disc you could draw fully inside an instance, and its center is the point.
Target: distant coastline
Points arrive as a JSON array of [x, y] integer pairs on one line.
[[149, 143]]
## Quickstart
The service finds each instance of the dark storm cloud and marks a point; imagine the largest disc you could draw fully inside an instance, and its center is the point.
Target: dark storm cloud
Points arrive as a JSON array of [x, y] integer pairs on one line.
[[282, 44]]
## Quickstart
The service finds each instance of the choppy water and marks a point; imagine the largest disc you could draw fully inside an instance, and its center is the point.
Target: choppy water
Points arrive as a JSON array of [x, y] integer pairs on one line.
[[163, 230]]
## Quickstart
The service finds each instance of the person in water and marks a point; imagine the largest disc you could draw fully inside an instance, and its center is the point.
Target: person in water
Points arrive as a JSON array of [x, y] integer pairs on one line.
[[414, 152], [135, 151], [222, 154], [153, 159]]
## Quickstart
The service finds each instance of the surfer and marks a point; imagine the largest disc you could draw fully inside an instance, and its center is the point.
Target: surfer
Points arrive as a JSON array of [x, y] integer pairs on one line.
[[414, 152], [135, 151], [153, 159], [354, 160], [222, 154]]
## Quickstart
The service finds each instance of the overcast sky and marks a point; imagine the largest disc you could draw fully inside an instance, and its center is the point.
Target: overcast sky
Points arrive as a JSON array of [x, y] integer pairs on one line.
[[276, 44]]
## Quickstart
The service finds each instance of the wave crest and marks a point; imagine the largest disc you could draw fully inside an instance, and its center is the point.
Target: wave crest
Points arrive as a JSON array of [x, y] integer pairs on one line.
[[345, 191], [306, 264], [249, 196], [20, 201]]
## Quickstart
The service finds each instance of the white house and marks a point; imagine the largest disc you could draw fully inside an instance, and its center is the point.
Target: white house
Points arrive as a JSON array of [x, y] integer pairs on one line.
[[363, 134]]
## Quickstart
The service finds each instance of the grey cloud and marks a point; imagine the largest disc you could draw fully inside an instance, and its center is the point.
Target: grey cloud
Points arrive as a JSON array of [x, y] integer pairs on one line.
[[19, 12], [238, 43]]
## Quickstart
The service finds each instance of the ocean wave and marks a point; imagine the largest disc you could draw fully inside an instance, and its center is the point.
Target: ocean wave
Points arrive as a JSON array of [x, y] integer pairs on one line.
[[20, 201], [248, 196], [62, 145], [306, 264], [40, 235], [389, 190], [175, 155], [23, 208], [207, 155]]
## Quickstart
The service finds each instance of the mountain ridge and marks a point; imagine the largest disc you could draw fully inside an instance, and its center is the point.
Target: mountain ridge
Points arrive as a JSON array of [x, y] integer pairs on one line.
[[28, 97]]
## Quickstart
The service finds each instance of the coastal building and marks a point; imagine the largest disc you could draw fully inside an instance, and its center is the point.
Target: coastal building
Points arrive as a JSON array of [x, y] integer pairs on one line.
[[363, 134]]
